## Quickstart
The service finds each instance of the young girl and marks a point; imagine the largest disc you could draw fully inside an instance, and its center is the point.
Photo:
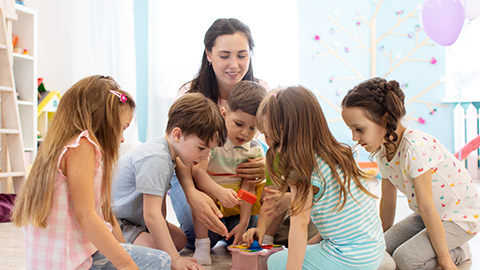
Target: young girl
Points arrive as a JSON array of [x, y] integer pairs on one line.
[[325, 185], [65, 203], [438, 188]]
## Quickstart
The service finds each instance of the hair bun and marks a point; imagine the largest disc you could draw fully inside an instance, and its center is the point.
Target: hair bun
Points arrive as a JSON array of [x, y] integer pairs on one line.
[[394, 86]]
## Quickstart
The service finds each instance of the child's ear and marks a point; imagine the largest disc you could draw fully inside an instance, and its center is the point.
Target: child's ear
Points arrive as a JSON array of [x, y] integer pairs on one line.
[[385, 118], [177, 134], [223, 111]]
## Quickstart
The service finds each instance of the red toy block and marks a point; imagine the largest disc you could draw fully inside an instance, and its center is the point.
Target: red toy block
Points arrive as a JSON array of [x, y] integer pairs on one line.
[[247, 196]]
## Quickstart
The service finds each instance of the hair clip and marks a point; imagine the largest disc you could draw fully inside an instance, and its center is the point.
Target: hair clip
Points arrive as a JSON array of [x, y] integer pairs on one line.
[[275, 95], [122, 97]]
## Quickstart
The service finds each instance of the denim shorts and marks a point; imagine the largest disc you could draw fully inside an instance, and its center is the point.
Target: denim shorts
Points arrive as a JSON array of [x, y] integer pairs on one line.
[[130, 230]]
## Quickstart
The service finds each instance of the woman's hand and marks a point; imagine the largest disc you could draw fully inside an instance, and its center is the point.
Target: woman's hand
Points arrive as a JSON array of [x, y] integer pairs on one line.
[[253, 169], [274, 203], [253, 234], [228, 197]]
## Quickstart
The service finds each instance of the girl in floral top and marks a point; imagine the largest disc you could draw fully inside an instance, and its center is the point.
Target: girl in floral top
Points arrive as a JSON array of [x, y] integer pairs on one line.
[[439, 190]]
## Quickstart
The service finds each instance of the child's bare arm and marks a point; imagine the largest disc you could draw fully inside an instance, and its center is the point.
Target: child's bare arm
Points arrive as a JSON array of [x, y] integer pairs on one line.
[[432, 220], [226, 196], [388, 202], [258, 233], [158, 228], [239, 230], [80, 171], [298, 233], [315, 239], [117, 232], [201, 204]]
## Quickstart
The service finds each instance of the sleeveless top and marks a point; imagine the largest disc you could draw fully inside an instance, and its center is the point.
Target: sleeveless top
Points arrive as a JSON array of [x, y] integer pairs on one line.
[[62, 244]]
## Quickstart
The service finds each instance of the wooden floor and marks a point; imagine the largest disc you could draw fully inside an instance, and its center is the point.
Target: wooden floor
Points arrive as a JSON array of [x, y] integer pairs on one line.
[[12, 255]]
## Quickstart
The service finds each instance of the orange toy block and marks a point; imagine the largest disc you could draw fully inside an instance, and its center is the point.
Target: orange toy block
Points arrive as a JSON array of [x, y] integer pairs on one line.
[[247, 196]]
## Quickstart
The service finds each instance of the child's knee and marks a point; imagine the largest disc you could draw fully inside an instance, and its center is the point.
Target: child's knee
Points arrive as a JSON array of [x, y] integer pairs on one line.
[[278, 260], [405, 260]]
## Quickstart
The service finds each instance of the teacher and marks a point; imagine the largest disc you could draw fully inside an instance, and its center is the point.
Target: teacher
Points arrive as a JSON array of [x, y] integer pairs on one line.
[[226, 61]]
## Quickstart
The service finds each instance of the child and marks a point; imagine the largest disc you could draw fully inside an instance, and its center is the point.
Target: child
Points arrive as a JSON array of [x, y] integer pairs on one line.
[[239, 114], [194, 127], [325, 185], [439, 190], [65, 203]]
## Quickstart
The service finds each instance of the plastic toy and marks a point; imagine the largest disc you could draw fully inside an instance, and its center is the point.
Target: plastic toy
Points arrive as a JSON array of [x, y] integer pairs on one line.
[[253, 257], [247, 196]]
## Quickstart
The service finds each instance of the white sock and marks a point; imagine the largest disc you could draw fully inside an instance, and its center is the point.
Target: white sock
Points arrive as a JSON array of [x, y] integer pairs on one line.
[[202, 251], [466, 250], [267, 239]]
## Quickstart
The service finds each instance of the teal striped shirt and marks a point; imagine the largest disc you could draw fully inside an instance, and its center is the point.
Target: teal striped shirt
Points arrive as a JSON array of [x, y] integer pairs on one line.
[[354, 235]]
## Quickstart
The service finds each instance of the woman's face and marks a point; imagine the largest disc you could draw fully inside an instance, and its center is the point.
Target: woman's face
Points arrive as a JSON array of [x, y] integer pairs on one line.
[[230, 59]]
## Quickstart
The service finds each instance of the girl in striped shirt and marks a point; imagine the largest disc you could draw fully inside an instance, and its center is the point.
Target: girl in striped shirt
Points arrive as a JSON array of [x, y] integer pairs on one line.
[[325, 184]]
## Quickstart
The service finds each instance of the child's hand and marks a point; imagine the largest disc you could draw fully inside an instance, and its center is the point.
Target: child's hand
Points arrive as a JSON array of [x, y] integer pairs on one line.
[[446, 263], [186, 263], [252, 234], [237, 232], [273, 202], [228, 198]]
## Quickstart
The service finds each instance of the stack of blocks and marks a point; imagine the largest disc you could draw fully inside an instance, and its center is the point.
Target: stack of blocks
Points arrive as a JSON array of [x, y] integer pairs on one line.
[[252, 258]]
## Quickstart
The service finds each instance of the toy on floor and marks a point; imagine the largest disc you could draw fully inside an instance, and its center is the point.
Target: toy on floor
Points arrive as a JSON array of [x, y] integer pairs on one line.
[[247, 196], [253, 257]]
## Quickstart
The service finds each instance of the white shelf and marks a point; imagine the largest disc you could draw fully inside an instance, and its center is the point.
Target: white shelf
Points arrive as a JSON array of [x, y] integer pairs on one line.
[[23, 56], [25, 103], [25, 75]]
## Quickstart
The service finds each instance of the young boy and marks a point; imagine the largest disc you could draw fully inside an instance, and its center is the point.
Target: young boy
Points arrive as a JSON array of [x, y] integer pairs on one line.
[[194, 127], [240, 146]]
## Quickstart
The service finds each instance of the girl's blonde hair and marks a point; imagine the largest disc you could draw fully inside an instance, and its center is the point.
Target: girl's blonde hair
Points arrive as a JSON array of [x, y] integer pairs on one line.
[[87, 105], [294, 120]]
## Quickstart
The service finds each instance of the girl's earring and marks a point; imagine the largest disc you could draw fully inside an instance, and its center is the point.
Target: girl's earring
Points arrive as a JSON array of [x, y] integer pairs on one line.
[[209, 63]]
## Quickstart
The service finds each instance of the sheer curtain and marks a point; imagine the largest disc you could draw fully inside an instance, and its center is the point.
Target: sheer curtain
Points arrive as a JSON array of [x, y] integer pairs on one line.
[[103, 35], [176, 31], [79, 38]]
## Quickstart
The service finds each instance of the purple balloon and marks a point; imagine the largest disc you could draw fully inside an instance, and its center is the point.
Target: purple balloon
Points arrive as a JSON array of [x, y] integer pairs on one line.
[[443, 20]]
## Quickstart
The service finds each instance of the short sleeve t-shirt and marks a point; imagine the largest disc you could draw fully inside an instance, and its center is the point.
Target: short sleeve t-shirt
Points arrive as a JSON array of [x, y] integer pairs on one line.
[[146, 169], [454, 192]]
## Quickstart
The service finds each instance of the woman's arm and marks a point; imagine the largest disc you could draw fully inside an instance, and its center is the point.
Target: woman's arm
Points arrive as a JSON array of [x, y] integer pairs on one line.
[[79, 167], [431, 219], [298, 233], [388, 204]]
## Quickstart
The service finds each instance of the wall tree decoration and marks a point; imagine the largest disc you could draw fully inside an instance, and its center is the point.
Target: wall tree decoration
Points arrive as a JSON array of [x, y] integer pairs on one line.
[[374, 45]]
